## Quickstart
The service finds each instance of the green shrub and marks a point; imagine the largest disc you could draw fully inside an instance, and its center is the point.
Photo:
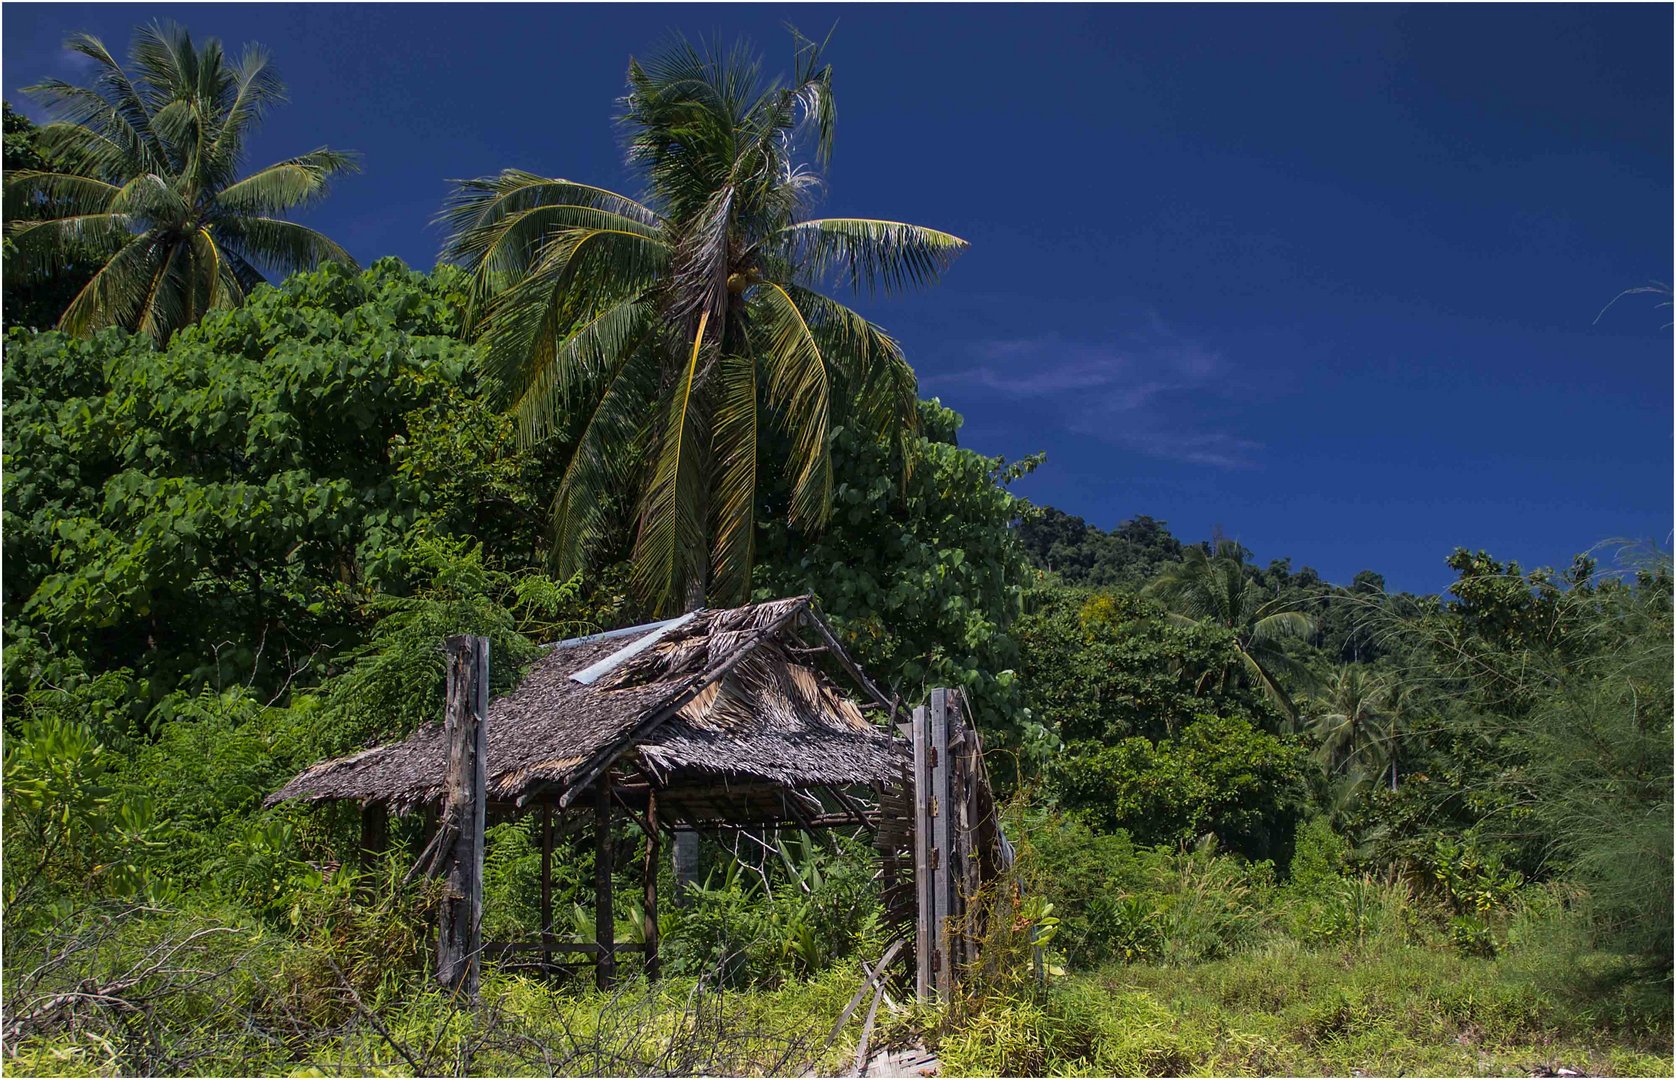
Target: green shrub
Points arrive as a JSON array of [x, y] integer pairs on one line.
[[794, 915]]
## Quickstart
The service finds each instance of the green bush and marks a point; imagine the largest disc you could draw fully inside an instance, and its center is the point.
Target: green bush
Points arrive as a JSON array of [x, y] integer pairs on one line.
[[1220, 776], [1117, 901], [798, 913]]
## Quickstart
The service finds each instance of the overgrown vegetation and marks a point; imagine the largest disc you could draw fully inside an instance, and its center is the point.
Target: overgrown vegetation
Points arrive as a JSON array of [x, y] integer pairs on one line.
[[1265, 824]]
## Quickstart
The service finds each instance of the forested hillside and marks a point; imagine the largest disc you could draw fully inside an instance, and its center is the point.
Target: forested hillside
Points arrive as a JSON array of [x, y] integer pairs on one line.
[[1267, 824]]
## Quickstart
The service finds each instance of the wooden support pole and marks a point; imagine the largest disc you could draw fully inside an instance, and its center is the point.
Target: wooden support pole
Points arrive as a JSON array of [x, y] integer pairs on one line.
[[375, 832], [460, 919], [546, 881], [924, 928], [605, 928], [943, 849], [649, 880]]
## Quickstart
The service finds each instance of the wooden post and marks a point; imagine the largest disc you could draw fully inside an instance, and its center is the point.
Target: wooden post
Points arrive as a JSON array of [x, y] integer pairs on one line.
[[459, 942], [942, 849], [685, 859], [546, 883], [375, 832], [925, 934], [966, 855], [649, 880], [604, 926]]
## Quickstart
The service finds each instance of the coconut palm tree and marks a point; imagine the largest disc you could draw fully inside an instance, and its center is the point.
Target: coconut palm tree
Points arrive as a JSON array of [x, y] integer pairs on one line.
[[1219, 589], [1361, 719], [147, 180], [1350, 718], [686, 333]]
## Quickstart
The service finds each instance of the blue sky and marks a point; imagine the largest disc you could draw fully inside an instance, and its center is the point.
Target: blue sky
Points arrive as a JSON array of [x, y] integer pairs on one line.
[[1325, 277]]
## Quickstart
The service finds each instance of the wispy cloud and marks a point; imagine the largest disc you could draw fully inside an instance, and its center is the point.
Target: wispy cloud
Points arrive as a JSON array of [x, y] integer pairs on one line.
[[1151, 390]]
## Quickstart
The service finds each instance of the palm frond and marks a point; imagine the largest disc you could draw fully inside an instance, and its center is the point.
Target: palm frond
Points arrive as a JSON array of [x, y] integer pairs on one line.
[[258, 87], [735, 450], [112, 99], [280, 245], [799, 392], [700, 264], [872, 255], [475, 208], [553, 372], [669, 544], [581, 275], [288, 184], [43, 247], [215, 284], [1281, 625], [600, 466], [884, 387], [118, 294]]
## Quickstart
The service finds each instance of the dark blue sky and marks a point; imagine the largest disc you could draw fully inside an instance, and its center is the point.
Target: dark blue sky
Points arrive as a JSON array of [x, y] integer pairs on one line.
[[1324, 277]]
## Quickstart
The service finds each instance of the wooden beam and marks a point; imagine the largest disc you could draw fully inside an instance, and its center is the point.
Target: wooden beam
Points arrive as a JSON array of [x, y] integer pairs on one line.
[[649, 883], [789, 803], [843, 658], [604, 925], [868, 820], [460, 915]]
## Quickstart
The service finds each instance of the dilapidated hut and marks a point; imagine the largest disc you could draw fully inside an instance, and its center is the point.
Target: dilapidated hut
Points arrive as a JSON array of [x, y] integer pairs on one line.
[[715, 719]]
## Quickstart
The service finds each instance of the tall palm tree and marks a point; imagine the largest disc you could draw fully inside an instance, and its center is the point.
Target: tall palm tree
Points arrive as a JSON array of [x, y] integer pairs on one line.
[[1361, 719], [1219, 588], [1350, 717], [686, 333], [147, 180]]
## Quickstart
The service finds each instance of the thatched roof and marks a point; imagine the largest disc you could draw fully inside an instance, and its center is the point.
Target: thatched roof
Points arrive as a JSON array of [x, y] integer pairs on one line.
[[715, 697]]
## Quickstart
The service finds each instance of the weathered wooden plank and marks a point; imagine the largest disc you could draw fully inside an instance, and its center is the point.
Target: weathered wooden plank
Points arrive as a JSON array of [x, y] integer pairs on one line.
[[460, 914], [942, 848], [924, 927]]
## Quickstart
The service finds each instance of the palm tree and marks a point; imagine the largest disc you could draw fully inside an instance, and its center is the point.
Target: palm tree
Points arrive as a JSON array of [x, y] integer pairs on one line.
[[1351, 717], [1219, 589], [1361, 722], [686, 333], [146, 180]]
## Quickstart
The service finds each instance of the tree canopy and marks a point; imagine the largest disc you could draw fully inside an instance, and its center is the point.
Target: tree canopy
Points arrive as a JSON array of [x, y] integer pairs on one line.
[[140, 173], [688, 326]]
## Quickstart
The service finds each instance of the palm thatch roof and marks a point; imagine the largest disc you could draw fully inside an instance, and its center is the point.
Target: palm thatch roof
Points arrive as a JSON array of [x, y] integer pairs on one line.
[[725, 700]]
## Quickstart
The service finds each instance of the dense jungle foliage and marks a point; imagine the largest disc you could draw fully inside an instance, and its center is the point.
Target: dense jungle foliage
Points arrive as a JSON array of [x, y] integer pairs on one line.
[[1267, 824]]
